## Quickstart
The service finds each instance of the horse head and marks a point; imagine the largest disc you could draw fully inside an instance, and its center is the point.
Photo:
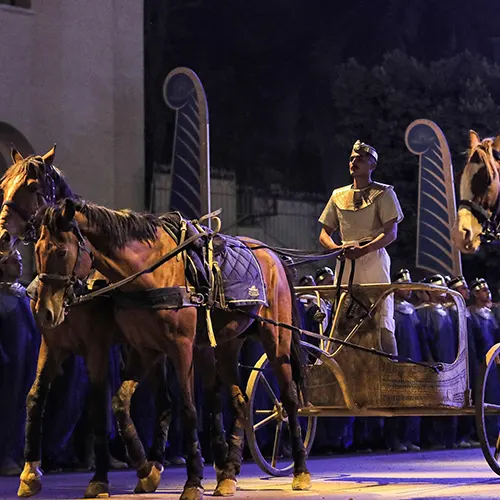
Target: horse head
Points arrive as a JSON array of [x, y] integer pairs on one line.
[[62, 257], [28, 184], [479, 193]]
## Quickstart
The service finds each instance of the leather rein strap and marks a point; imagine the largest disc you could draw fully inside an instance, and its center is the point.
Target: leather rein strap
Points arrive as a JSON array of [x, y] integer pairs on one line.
[[113, 286], [298, 256], [476, 210], [490, 222]]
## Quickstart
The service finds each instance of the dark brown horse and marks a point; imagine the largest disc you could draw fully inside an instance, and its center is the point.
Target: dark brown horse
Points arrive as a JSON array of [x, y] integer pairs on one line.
[[89, 330], [479, 192], [124, 242]]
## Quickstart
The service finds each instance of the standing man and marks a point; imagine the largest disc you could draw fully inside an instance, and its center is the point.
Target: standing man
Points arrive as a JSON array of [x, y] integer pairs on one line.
[[366, 214]]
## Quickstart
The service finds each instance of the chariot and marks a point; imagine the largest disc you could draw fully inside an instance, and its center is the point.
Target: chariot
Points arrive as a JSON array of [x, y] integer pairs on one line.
[[347, 375]]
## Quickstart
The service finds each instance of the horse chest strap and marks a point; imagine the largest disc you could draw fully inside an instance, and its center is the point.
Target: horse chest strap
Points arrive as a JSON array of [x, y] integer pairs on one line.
[[173, 297]]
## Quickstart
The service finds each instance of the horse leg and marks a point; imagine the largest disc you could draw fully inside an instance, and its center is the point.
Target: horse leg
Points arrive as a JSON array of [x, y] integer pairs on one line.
[[227, 356], [212, 390], [148, 473], [163, 403], [277, 342], [99, 402], [49, 361], [181, 353]]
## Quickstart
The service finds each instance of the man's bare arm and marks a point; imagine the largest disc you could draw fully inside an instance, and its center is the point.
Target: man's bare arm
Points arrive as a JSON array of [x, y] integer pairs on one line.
[[326, 240]]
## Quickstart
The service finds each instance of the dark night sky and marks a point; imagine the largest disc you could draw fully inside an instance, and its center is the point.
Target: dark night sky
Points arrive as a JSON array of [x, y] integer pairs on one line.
[[266, 66], [270, 69]]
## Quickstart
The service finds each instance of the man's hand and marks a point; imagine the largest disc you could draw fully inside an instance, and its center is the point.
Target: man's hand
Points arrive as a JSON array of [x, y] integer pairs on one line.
[[356, 252]]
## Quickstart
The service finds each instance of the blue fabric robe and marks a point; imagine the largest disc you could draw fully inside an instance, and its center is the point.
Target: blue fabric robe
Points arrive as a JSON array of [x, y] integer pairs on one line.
[[408, 333], [466, 424], [19, 346], [439, 343], [485, 332], [65, 407]]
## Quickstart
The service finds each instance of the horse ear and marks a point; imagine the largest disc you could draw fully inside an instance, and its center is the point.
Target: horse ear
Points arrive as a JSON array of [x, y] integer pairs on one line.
[[48, 158], [474, 139], [15, 155], [496, 143], [69, 210]]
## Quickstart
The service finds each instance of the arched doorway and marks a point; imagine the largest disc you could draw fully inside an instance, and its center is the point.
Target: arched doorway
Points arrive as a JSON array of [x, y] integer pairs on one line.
[[10, 136]]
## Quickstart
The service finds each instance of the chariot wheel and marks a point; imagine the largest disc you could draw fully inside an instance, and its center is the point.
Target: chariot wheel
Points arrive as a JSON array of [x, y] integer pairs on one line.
[[488, 408], [268, 434]]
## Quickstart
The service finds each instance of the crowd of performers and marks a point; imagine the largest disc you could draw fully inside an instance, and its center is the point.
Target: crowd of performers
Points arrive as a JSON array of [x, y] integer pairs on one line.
[[426, 330]]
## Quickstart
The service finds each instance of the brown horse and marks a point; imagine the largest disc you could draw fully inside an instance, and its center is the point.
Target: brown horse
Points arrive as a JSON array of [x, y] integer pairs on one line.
[[479, 192], [89, 330], [123, 243]]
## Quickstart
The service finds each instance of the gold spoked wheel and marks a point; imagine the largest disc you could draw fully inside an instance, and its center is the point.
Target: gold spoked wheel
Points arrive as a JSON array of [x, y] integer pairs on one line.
[[268, 433], [487, 401]]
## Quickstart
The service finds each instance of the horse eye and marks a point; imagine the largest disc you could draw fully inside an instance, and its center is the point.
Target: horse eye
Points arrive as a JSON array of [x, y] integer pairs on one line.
[[32, 187], [62, 252]]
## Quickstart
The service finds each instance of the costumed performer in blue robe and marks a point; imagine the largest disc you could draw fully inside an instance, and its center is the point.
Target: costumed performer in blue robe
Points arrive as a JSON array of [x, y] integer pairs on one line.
[[486, 333], [440, 344], [19, 346], [403, 433], [466, 432]]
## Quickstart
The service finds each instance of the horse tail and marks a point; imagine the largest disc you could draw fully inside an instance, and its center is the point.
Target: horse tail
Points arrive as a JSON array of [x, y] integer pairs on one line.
[[297, 359]]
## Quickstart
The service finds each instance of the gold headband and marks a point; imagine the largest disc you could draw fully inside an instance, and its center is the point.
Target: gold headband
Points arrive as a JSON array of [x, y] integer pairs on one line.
[[361, 146]]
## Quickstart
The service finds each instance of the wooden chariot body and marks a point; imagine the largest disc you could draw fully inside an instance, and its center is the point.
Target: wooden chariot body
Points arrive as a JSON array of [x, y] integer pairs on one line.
[[345, 380]]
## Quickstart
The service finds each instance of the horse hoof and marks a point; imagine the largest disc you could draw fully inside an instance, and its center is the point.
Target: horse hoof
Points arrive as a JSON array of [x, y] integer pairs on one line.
[[149, 483], [30, 480], [302, 481], [192, 493], [29, 488], [97, 489], [225, 488]]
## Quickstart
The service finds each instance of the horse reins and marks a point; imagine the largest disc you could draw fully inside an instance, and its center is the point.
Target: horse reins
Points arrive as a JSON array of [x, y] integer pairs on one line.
[[436, 367], [299, 257], [113, 286], [490, 222]]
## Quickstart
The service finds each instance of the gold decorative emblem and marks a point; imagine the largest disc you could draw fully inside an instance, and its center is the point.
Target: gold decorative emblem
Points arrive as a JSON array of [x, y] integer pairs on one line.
[[253, 291]]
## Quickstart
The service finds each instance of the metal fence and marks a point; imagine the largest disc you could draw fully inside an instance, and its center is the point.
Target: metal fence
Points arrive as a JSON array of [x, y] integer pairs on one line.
[[275, 217]]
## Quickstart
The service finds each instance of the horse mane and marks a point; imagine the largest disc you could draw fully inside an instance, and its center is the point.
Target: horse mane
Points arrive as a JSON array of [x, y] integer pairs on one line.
[[116, 228], [33, 166]]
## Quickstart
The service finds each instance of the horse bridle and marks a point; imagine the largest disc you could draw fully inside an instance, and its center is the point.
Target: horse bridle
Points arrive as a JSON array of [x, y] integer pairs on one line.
[[490, 222], [70, 279], [48, 195]]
